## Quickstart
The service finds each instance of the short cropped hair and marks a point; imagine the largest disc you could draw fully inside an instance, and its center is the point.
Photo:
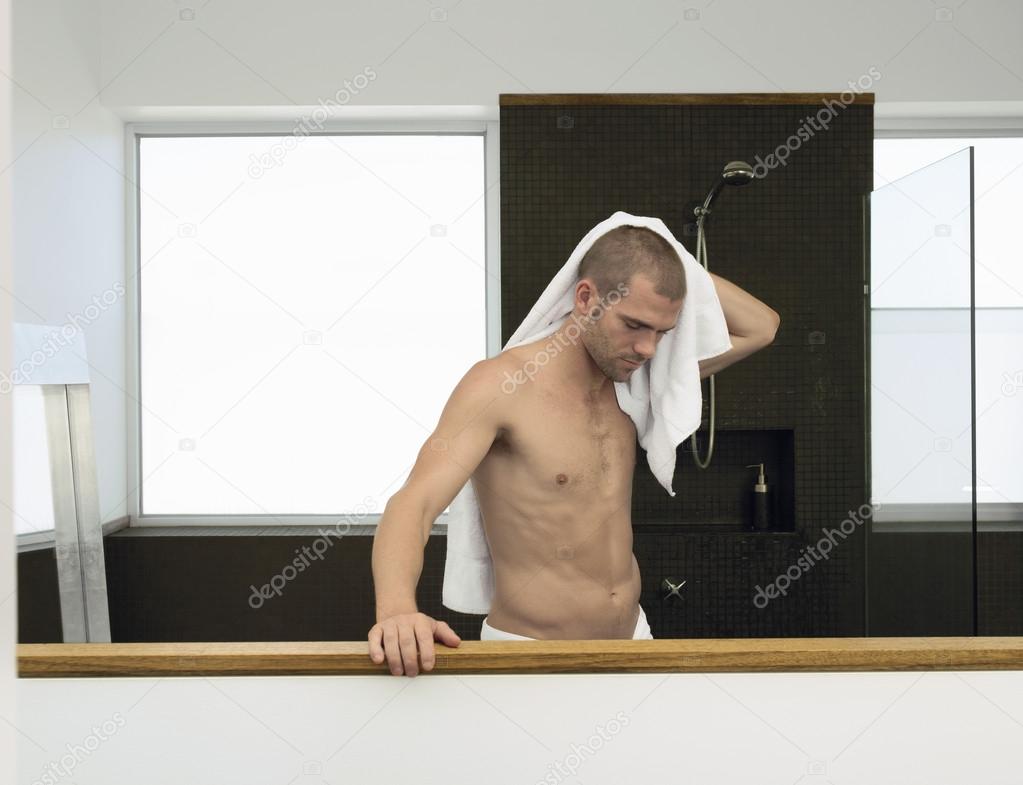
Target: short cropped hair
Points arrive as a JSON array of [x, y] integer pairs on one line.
[[624, 251]]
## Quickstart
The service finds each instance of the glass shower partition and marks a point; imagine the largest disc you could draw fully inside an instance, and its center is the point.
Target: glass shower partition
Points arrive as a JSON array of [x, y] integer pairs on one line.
[[922, 540]]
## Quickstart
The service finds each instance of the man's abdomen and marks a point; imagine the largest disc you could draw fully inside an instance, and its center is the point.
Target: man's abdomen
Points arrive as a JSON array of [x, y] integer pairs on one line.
[[567, 599]]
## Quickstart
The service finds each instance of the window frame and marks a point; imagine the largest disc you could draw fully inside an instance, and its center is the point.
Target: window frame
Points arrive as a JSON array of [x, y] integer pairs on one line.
[[391, 126]]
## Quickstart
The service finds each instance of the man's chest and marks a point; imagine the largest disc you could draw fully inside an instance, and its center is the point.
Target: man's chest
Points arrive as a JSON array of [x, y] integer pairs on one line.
[[571, 446]]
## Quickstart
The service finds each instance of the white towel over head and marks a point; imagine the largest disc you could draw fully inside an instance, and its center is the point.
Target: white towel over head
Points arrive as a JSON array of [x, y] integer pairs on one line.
[[663, 397]]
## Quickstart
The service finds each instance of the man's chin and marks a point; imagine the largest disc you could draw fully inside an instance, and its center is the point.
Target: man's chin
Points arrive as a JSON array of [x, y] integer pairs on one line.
[[618, 371]]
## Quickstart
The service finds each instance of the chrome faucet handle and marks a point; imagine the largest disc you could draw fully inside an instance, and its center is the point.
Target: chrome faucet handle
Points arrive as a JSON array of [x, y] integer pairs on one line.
[[672, 588]]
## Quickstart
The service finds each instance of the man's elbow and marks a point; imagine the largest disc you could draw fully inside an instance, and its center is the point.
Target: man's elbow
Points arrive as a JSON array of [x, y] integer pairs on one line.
[[771, 324]]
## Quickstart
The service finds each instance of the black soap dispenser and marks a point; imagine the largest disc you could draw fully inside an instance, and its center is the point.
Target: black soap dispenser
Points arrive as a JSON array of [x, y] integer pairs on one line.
[[761, 497]]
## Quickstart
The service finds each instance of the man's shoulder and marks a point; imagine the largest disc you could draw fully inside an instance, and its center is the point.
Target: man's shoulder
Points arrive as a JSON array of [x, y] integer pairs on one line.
[[495, 374], [487, 386]]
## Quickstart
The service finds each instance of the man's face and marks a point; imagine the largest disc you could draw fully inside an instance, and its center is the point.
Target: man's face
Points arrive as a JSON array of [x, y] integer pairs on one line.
[[630, 329]]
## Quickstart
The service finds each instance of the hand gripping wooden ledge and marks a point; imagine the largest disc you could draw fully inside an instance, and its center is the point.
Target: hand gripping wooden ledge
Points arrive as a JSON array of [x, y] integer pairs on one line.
[[707, 655]]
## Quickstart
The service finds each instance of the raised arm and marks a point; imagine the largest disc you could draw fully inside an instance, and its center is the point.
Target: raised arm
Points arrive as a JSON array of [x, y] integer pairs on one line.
[[751, 325]]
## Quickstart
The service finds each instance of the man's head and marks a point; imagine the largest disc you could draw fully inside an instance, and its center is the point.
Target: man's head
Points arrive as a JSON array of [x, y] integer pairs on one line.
[[643, 261]]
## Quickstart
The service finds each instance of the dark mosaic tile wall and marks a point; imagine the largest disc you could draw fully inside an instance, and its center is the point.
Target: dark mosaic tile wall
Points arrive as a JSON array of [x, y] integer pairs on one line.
[[196, 588], [199, 588], [38, 597], [920, 583], [794, 239], [1000, 583]]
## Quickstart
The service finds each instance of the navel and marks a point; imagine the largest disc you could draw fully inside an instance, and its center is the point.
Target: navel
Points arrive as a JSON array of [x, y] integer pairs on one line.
[[561, 479]]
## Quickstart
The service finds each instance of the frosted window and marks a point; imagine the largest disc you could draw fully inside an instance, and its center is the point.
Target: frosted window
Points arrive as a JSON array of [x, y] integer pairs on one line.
[[921, 321], [306, 310]]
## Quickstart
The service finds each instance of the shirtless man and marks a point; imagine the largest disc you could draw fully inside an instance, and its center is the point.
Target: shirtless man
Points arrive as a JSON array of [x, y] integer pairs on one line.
[[551, 461]]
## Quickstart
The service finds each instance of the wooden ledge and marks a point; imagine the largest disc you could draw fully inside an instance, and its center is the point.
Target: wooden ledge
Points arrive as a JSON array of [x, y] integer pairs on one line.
[[708, 655]]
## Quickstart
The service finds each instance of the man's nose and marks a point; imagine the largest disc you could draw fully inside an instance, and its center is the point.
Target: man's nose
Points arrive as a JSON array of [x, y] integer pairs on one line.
[[646, 348]]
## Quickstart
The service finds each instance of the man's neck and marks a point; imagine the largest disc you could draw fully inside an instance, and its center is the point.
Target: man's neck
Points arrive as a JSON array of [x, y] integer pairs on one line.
[[574, 369]]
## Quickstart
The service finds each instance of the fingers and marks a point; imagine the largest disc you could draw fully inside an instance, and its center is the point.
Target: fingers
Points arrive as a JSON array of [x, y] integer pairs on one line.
[[424, 636], [409, 652], [391, 648], [405, 640], [376, 651], [445, 634]]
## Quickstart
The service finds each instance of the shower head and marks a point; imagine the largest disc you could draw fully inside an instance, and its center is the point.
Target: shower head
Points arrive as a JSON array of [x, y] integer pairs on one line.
[[734, 173], [737, 173]]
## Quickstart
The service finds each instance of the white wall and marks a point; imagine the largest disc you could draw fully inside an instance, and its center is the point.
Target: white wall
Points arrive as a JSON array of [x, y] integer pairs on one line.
[[776, 728], [8, 604], [239, 52], [68, 192]]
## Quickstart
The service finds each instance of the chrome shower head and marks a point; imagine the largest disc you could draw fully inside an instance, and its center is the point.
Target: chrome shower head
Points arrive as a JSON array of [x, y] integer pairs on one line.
[[734, 173], [737, 173]]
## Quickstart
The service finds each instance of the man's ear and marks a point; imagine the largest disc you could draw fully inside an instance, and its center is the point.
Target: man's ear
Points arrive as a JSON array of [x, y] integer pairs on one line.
[[585, 294]]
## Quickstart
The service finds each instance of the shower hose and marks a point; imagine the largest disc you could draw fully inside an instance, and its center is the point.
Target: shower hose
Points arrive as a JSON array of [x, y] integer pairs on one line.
[[701, 257]]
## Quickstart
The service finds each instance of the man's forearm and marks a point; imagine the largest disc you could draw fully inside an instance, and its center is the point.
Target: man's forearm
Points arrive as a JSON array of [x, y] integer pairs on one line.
[[398, 557], [752, 325]]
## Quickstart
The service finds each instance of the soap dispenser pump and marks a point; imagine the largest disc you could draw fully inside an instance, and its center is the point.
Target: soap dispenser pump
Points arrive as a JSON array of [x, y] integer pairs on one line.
[[761, 496]]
